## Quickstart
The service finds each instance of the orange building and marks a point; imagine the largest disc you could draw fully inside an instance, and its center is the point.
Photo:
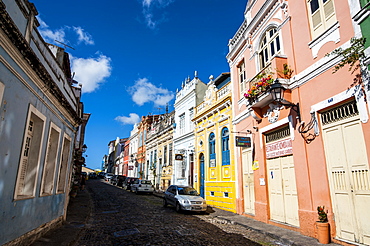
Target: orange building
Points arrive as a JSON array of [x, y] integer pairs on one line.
[[310, 146]]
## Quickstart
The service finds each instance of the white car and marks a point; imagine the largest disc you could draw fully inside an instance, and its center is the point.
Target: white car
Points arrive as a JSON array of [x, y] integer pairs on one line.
[[184, 198], [108, 176], [142, 186]]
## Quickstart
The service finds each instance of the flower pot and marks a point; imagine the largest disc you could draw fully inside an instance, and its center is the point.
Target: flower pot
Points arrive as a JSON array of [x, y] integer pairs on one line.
[[323, 232]]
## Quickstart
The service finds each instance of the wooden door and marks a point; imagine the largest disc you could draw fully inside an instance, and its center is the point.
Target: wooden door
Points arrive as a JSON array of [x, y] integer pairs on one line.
[[248, 182], [348, 174], [283, 197]]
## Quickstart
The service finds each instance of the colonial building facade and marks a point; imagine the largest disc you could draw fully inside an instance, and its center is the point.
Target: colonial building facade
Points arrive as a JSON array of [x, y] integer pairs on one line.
[[40, 116], [187, 98], [214, 146], [159, 153], [308, 126]]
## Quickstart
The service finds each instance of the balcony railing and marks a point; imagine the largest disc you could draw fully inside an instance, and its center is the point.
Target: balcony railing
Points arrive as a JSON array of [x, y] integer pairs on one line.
[[221, 93], [275, 69]]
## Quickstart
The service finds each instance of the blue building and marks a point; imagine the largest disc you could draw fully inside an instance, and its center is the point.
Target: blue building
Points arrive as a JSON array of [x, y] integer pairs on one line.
[[40, 115]]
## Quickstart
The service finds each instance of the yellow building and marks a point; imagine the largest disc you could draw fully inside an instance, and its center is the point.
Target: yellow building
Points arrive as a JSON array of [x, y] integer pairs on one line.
[[214, 146]]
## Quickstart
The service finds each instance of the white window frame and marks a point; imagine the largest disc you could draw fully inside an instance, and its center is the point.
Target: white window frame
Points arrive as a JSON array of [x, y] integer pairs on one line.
[[2, 89], [33, 138], [322, 18], [64, 164], [242, 77], [51, 161], [182, 123], [270, 46]]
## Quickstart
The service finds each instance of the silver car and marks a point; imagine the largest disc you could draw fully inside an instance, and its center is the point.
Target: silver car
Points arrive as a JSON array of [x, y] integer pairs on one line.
[[184, 198], [142, 186]]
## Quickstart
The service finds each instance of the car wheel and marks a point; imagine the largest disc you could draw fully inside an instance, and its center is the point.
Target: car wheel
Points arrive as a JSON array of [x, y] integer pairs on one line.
[[178, 207], [165, 202]]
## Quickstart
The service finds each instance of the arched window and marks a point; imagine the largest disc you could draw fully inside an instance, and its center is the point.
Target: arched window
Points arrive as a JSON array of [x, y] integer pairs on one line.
[[225, 146], [212, 150], [270, 46]]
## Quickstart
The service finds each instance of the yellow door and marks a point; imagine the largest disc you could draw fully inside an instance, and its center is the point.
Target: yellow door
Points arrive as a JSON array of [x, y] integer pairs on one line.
[[282, 189], [248, 182], [348, 173]]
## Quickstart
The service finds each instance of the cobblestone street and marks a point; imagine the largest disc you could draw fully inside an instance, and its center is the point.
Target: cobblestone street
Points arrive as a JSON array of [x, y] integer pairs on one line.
[[120, 217]]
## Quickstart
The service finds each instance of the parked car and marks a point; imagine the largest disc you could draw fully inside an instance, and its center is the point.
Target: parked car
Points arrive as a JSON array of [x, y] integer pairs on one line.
[[101, 175], [111, 180], [92, 175], [115, 179], [120, 180], [184, 198], [108, 176], [142, 186], [128, 182]]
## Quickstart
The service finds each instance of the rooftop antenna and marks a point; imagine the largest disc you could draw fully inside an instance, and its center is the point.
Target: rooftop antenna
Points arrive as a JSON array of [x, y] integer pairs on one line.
[[65, 45]]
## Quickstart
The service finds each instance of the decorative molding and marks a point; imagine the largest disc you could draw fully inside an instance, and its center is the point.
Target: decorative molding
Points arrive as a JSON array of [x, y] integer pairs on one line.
[[330, 35]]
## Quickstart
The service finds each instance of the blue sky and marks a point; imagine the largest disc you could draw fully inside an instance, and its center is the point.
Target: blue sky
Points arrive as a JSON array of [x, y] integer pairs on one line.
[[131, 55]]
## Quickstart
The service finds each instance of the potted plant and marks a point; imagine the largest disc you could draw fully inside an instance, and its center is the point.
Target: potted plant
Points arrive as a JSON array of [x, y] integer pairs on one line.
[[322, 226], [259, 87]]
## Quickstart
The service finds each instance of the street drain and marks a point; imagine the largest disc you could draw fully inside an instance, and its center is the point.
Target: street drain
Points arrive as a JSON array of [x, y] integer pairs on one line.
[[110, 212], [76, 224], [186, 232], [126, 232]]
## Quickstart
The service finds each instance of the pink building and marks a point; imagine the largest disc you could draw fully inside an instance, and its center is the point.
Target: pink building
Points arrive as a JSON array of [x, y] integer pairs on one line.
[[310, 148]]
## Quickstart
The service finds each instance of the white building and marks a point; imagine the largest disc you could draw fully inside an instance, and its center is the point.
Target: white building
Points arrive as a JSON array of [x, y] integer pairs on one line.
[[187, 98], [132, 167]]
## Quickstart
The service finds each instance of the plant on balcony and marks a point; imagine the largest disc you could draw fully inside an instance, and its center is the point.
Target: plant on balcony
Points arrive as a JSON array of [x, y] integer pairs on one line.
[[257, 88], [286, 73]]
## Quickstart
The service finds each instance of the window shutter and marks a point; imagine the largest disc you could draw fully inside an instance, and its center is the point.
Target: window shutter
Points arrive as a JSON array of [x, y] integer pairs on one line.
[[316, 19], [329, 9], [26, 152], [329, 13]]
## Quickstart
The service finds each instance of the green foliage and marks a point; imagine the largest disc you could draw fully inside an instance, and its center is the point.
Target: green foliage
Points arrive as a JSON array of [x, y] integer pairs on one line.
[[287, 71], [323, 216], [351, 56]]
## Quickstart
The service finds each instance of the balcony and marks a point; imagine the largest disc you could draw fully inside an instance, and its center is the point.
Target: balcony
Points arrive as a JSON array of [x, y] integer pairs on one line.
[[258, 94], [214, 97]]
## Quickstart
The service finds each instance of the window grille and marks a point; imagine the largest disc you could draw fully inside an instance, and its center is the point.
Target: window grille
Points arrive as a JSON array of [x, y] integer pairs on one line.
[[278, 134], [341, 112]]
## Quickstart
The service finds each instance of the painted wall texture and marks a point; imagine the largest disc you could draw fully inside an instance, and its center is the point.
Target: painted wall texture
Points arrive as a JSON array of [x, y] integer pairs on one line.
[[303, 153], [214, 145], [37, 130]]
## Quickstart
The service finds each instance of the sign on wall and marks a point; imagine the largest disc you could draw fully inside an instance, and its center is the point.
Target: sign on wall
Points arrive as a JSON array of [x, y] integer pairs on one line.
[[243, 142], [179, 157], [279, 148]]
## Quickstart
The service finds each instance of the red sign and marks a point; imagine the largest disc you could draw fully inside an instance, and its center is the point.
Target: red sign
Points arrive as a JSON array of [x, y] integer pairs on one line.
[[279, 148]]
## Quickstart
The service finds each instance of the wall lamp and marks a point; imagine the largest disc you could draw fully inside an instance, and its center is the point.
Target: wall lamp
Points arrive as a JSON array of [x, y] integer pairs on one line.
[[84, 148], [277, 93]]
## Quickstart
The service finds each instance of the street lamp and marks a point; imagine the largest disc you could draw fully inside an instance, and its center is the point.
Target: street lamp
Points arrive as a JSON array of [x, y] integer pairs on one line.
[[277, 93], [84, 148]]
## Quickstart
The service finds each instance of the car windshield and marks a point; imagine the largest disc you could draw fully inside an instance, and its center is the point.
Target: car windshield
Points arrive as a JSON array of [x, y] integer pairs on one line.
[[187, 191], [146, 182]]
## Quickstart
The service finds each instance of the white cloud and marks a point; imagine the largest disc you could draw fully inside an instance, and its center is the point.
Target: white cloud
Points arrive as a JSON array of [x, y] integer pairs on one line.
[[144, 92], [83, 36], [60, 34], [49, 35], [91, 72], [148, 8], [131, 120]]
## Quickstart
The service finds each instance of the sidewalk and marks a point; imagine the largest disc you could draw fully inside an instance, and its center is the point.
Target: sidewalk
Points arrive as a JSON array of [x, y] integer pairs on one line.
[[78, 214], [284, 236]]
